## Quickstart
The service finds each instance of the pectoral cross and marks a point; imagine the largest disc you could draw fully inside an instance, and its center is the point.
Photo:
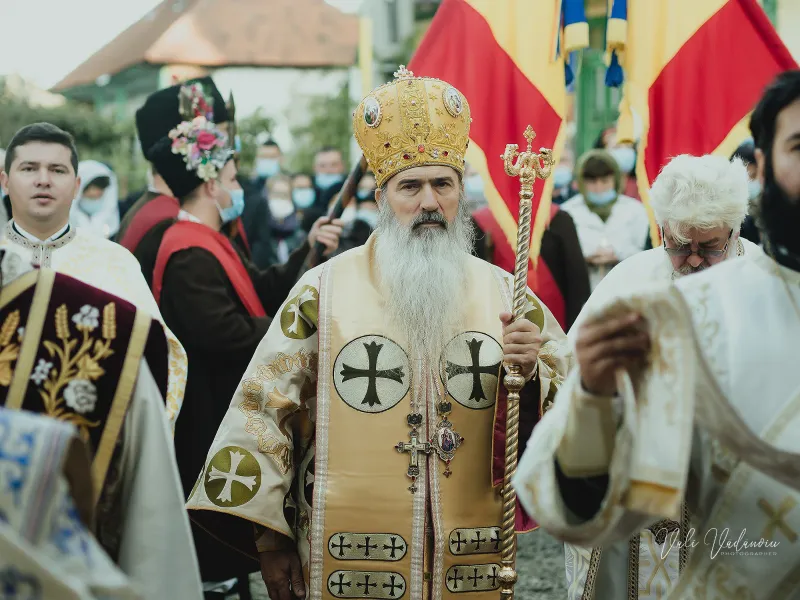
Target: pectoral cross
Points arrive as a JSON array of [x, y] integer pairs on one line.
[[414, 447]]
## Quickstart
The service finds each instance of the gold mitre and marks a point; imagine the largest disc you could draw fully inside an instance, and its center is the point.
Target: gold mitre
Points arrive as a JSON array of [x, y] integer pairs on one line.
[[411, 122]]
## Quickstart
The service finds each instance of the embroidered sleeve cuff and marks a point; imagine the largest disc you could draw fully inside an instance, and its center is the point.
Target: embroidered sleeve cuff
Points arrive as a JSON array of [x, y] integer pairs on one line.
[[588, 441]]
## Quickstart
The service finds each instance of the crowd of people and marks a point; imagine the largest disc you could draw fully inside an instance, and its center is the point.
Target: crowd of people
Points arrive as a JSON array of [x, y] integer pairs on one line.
[[313, 389]]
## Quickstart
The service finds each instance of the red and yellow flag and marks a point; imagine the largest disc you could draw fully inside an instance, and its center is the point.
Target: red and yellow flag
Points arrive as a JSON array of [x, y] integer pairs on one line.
[[693, 71], [507, 58]]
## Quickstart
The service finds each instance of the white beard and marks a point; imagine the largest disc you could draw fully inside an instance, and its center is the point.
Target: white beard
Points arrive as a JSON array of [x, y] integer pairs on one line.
[[422, 274]]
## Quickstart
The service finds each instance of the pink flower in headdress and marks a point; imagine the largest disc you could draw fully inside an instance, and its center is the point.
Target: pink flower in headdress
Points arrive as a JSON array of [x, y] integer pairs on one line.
[[206, 140]]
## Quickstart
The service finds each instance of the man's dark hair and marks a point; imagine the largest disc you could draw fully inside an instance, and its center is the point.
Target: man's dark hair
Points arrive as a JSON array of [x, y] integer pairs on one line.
[[329, 149], [784, 90], [777, 213], [596, 167], [101, 182], [746, 152], [41, 132], [270, 143]]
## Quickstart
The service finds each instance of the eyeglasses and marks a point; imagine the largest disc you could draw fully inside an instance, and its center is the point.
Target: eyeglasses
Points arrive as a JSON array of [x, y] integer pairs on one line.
[[686, 250]]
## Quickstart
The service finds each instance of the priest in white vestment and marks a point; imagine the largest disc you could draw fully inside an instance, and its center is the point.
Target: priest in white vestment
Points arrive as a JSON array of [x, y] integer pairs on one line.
[[689, 394], [611, 226], [41, 179], [46, 549], [140, 517]]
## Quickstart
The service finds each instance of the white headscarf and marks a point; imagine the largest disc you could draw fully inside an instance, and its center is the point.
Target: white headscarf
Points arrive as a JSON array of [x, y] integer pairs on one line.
[[104, 222]]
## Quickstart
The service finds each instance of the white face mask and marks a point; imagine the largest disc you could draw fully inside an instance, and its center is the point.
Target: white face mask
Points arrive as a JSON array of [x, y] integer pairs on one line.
[[625, 156], [280, 207]]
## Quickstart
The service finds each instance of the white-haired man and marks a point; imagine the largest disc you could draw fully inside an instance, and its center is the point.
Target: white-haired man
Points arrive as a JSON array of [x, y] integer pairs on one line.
[[340, 446], [700, 203]]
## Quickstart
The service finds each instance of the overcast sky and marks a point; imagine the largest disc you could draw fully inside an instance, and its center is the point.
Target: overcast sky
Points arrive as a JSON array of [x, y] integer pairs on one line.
[[44, 40]]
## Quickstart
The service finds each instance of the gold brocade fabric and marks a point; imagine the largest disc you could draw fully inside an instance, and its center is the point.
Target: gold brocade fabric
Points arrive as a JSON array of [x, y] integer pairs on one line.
[[341, 490]]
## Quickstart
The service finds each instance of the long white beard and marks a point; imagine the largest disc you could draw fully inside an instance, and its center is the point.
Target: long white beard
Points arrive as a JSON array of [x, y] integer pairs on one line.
[[422, 274]]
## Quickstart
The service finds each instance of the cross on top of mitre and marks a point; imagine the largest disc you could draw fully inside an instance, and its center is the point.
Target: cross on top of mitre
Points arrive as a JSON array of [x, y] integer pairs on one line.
[[403, 73], [529, 135]]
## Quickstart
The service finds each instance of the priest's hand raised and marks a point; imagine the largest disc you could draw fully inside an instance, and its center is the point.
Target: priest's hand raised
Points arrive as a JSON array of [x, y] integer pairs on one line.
[[521, 343], [327, 232], [605, 345], [283, 574]]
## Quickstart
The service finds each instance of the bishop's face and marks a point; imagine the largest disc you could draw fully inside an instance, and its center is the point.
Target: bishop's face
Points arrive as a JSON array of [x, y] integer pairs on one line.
[[41, 184], [424, 198]]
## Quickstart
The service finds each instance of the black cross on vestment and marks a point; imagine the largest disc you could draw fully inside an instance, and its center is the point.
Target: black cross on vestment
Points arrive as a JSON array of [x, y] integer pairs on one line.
[[455, 579], [458, 542], [475, 578], [372, 373], [478, 540], [366, 585], [392, 585], [394, 547], [493, 577], [475, 369], [341, 545], [495, 539], [341, 584], [367, 547]]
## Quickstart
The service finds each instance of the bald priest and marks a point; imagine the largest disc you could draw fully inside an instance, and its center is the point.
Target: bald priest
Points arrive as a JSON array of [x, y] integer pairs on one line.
[[363, 451]]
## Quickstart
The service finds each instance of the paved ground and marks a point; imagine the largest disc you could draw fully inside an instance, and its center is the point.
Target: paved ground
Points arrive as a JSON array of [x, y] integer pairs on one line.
[[540, 565]]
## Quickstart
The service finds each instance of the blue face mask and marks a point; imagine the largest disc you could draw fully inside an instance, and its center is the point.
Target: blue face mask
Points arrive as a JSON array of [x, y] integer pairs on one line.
[[625, 157], [267, 167], [365, 194], [325, 181], [753, 189], [602, 198], [562, 176], [234, 211], [91, 206], [303, 197]]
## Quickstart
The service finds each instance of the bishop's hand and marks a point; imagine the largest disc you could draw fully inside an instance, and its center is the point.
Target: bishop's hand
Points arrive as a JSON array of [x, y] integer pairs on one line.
[[521, 343], [605, 345], [283, 574]]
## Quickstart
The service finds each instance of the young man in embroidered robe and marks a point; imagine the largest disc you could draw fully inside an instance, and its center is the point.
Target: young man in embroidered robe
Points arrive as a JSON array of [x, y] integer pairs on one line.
[[78, 354], [46, 548], [216, 301], [691, 421], [700, 203], [41, 180], [363, 450]]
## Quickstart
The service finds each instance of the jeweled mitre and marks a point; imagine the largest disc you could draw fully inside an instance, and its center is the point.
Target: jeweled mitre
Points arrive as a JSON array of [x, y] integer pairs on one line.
[[412, 122]]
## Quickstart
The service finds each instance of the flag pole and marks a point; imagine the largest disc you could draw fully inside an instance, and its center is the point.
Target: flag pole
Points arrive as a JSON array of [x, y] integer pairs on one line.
[[528, 167]]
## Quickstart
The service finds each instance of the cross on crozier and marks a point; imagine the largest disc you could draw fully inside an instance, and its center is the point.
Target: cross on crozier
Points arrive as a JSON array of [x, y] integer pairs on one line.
[[475, 369], [372, 373], [249, 482]]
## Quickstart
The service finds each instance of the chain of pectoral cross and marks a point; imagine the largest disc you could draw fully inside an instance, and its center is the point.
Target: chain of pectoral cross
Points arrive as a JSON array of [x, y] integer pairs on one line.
[[416, 445]]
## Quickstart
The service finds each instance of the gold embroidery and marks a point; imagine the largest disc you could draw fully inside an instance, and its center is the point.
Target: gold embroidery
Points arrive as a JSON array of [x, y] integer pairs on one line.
[[776, 520], [77, 365], [8, 351], [286, 363]]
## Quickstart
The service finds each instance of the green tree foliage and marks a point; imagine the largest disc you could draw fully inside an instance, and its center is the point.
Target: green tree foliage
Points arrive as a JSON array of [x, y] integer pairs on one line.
[[96, 137], [329, 124], [251, 132]]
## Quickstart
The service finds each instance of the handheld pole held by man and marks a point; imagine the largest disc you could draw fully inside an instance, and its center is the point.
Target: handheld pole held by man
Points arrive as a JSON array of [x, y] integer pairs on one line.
[[528, 167]]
